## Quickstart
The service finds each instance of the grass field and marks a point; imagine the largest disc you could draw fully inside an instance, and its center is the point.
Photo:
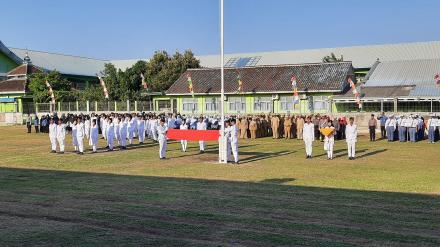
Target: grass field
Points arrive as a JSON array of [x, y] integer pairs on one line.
[[388, 196]]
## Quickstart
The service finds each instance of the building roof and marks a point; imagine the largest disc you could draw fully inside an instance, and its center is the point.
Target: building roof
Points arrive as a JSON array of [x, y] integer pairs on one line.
[[24, 69], [329, 77], [65, 64], [5, 50], [13, 86], [377, 92]]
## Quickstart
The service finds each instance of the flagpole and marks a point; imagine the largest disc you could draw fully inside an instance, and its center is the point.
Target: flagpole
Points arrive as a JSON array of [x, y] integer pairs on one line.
[[222, 76]]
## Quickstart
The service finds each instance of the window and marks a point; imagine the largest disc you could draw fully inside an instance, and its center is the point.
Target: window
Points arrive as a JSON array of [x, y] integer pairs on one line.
[[286, 103], [212, 104], [263, 104], [190, 104], [320, 103], [237, 104]]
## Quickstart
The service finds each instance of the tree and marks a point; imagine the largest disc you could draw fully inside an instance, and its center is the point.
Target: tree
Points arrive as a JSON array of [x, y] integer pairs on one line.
[[332, 59], [60, 85]]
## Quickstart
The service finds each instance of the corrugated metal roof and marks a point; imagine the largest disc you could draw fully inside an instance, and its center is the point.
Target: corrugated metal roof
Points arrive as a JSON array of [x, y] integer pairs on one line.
[[66, 64], [409, 72], [425, 91], [267, 79]]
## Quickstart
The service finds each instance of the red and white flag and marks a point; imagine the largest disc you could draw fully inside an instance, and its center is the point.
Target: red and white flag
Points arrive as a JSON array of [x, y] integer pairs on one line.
[[104, 88], [52, 96], [293, 80], [144, 83]]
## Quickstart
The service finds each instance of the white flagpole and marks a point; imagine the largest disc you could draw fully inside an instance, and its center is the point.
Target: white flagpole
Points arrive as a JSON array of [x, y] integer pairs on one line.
[[222, 97]]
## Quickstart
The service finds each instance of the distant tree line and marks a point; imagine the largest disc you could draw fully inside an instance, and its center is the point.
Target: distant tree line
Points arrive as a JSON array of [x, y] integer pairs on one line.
[[160, 72]]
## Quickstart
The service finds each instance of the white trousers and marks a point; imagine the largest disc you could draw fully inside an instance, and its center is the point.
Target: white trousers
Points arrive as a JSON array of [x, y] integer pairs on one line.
[[228, 150], [309, 147], [184, 144], [328, 146], [110, 139], [202, 145], [61, 144], [234, 147], [162, 148], [80, 144], [141, 135], [351, 145], [53, 143], [154, 135]]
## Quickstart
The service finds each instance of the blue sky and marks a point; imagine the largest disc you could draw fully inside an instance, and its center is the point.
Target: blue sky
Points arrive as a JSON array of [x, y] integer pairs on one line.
[[116, 29]]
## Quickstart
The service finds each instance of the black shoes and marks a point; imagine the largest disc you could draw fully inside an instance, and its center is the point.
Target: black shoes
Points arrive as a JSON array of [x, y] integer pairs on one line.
[[53, 151], [60, 152], [351, 158], [308, 157]]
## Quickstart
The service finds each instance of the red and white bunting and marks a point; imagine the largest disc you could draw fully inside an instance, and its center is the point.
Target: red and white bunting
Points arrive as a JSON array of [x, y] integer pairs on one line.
[[104, 88], [357, 95], [52, 96], [437, 78], [293, 81], [144, 83]]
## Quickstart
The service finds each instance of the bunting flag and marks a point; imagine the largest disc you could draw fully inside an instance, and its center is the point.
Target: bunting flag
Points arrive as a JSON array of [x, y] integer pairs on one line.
[[144, 83], [437, 78], [357, 95], [52, 96], [240, 84], [295, 96], [190, 85], [104, 88], [293, 80]]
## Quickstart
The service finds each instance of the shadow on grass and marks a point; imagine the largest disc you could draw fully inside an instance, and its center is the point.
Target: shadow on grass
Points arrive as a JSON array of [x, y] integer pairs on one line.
[[54, 208]]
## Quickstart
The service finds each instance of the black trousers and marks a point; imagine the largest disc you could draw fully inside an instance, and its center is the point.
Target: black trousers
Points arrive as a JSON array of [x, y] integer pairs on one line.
[[383, 132], [29, 128], [37, 129], [372, 133]]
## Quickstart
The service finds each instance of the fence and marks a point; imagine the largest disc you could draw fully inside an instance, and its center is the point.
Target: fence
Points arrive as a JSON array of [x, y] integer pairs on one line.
[[94, 106]]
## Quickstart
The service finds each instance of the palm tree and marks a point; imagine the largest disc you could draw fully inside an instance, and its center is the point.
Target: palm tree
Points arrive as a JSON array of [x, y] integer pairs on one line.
[[332, 58]]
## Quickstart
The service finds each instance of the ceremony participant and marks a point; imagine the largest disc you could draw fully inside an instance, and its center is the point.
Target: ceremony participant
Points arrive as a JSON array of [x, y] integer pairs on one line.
[[432, 128], [116, 124], [80, 132], [275, 121], [162, 130], [53, 135], [412, 130], [153, 127], [351, 138], [233, 138], [87, 127], [73, 126], [287, 127], [201, 125], [61, 135], [37, 124], [110, 129], [130, 129], [141, 129], [244, 125], [299, 127], [383, 119], [308, 137], [401, 129], [94, 132], [123, 133], [253, 128], [329, 139], [184, 143], [390, 127], [372, 125], [29, 124]]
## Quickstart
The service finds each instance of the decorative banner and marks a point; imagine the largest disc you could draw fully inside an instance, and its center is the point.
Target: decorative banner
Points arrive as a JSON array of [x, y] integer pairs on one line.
[[193, 135], [437, 78], [357, 95], [240, 84], [293, 80], [104, 88], [144, 83], [190, 85], [52, 96]]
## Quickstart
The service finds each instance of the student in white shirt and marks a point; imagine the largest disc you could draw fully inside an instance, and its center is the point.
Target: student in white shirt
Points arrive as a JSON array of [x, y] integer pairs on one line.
[[53, 135], [80, 132], [162, 130], [123, 133], [184, 143], [141, 129], [61, 135], [308, 137], [351, 138], [329, 140], [233, 138], [94, 135], [110, 134], [73, 125], [201, 125]]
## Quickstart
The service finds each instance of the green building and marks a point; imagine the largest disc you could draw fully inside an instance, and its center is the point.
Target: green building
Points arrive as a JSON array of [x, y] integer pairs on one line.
[[265, 89]]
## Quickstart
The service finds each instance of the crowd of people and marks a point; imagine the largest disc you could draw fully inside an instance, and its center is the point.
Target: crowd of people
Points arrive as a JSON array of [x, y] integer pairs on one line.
[[122, 129]]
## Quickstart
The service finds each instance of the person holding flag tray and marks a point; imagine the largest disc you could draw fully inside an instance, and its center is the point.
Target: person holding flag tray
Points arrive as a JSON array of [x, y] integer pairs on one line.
[[329, 139]]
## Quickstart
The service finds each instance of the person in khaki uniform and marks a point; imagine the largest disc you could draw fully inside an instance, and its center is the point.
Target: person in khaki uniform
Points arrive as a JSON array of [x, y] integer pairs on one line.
[[253, 128], [275, 121], [287, 127], [299, 127], [243, 128]]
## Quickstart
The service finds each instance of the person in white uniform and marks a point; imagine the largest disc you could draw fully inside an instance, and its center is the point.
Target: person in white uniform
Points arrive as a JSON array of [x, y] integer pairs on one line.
[[61, 135], [184, 143], [308, 137], [201, 125], [351, 138], [110, 134], [87, 127], [233, 137], [130, 129], [94, 132], [153, 128], [74, 127], [80, 132], [53, 135], [123, 134], [116, 125], [329, 140], [162, 130], [141, 130]]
